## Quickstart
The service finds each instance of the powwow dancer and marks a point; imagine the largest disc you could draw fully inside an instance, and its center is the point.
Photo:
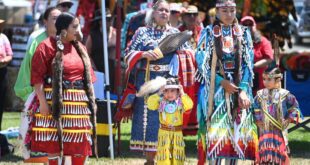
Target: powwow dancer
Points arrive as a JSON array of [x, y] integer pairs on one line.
[[62, 77], [274, 109], [171, 102], [225, 69]]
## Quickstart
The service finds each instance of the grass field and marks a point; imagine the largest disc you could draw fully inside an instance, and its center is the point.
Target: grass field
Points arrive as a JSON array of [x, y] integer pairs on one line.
[[299, 141]]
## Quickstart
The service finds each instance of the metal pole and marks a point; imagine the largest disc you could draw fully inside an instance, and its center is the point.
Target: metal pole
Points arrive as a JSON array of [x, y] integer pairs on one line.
[[35, 9], [106, 67]]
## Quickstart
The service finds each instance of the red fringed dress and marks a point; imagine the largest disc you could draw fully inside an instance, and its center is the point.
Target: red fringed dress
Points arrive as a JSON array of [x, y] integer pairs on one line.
[[75, 114]]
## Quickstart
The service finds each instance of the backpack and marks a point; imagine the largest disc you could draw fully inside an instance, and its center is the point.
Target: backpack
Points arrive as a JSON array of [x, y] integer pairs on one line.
[[5, 146]]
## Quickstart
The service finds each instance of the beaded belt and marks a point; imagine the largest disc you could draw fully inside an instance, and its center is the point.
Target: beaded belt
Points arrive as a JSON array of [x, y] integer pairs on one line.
[[171, 128], [78, 84], [159, 68]]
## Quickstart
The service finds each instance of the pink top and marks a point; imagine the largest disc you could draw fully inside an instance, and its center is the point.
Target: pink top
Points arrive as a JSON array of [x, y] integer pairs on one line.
[[5, 46]]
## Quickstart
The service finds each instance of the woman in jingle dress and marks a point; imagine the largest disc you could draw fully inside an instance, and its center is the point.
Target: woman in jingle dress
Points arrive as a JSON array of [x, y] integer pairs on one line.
[[62, 78]]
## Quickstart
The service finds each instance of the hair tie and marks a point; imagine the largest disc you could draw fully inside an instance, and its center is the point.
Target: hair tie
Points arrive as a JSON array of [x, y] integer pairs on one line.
[[60, 45]]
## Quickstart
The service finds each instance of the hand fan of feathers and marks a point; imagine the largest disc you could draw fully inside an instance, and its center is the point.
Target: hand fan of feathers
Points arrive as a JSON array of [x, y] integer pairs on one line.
[[173, 41]]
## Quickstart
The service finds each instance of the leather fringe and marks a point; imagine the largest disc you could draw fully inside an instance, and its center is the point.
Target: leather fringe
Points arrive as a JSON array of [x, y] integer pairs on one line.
[[89, 90], [57, 98], [164, 152]]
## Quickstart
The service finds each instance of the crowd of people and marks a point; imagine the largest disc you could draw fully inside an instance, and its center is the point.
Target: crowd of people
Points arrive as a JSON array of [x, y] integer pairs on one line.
[[221, 84], [227, 57]]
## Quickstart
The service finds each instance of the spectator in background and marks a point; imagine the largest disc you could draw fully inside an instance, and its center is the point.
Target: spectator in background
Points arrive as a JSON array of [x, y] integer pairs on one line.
[[94, 44], [263, 53], [6, 55], [212, 14], [23, 88], [191, 23], [64, 5], [39, 26], [175, 14]]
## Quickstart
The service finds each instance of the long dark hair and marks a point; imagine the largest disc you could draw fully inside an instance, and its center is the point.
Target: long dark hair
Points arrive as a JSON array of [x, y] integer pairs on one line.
[[63, 21]]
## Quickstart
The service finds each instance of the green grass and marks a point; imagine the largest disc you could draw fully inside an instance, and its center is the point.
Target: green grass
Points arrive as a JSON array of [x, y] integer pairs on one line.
[[10, 119], [299, 141]]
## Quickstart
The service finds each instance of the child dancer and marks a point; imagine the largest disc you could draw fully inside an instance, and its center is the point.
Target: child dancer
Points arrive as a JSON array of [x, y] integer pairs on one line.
[[275, 108], [171, 102]]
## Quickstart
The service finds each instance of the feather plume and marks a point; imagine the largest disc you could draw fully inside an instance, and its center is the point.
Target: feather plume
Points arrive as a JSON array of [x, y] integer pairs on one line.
[[173, 41], [151, 86]]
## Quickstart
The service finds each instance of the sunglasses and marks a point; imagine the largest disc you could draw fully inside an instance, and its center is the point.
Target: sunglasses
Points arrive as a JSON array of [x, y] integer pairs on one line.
[[66, 5], [248, 23], [191, 14], [174, 12]]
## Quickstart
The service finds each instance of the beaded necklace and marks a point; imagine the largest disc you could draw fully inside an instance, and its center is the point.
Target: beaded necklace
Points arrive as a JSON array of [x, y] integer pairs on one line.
[[170, 107]]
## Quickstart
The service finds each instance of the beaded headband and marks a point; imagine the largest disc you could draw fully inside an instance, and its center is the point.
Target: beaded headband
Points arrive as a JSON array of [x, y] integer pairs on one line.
[[172, 83], [272, 74], [225, 3], [279, 75], [171, 86]]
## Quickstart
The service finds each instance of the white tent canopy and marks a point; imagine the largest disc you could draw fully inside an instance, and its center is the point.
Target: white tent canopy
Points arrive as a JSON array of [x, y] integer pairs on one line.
[[15, 3]]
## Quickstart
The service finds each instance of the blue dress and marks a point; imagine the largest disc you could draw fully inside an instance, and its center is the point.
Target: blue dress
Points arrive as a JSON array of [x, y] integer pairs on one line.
[[226, 135]]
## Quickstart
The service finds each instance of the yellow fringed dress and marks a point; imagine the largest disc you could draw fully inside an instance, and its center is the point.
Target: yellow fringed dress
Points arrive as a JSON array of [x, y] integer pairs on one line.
[[170, 147]]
